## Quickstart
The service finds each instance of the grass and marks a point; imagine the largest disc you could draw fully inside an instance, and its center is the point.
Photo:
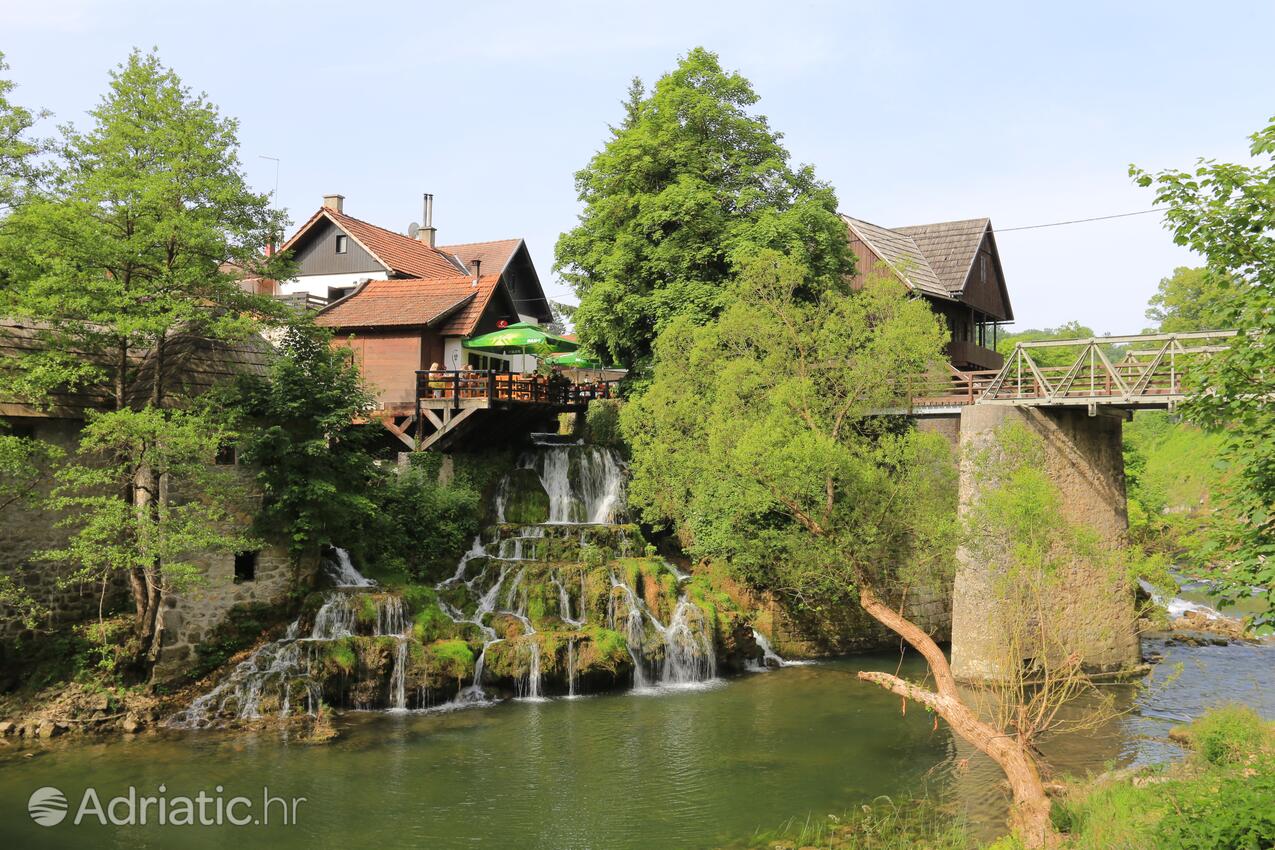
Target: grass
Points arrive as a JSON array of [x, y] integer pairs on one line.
[[885, 824]]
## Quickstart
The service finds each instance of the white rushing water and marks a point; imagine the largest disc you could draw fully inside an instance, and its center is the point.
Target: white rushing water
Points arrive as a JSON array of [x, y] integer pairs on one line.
[[342, 572], [1176, 605]]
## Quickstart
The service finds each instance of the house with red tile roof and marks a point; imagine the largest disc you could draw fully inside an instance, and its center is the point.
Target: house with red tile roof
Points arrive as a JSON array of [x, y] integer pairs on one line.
[[402, 302]]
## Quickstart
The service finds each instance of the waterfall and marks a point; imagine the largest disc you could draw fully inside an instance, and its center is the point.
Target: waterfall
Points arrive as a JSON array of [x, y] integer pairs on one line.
[[1177, 606], [585, 484], [564, 602], [398, 679], [688, 647], [533, 673], [342, 571], [769, 657], [634, 630]]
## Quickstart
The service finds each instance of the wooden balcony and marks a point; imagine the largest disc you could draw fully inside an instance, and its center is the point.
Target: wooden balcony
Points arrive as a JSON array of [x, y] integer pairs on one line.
[[963, 354]]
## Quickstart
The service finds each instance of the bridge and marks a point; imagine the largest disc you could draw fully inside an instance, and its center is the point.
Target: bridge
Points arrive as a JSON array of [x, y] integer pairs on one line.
[[1075, 395], [1149, 374]]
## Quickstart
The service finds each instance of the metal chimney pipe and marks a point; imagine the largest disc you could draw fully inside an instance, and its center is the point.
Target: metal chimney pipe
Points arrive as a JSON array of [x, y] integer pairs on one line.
[[428, 211]]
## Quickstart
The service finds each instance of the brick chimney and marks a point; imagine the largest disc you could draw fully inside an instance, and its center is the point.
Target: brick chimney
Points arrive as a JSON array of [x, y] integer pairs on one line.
[[335, 203], [478, 267], [427, 233]]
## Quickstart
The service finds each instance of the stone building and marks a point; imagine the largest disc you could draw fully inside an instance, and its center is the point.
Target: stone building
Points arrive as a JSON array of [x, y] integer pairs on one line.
[[28, 528]]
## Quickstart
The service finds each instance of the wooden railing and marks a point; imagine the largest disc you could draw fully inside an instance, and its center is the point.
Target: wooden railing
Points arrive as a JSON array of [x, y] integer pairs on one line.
[[459, 386]]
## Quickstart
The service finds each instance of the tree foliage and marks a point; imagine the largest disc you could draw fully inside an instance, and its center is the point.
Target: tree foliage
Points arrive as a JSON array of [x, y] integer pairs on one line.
[[315, 466], [1192, 299], [146, 216], [18, 149], [1226, 213], [691, 181], [754, 440]]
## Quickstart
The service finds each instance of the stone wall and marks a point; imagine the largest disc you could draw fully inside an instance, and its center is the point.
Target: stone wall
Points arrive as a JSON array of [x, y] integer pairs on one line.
[[1084, 458], [189, 618]]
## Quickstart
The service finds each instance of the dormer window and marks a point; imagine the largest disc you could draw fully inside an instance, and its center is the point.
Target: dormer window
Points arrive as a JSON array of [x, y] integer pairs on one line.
[[341, 244]]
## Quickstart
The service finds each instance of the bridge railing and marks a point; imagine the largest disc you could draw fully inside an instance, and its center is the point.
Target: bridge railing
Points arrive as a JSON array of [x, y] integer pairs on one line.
[[1145, 369]]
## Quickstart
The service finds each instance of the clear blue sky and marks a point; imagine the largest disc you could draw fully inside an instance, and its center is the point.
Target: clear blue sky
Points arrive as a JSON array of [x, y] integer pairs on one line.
[[916, 112]]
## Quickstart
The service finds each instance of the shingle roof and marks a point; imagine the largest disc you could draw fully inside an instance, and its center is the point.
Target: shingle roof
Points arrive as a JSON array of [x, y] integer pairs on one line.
[[400, 253], [494, 256], [411, 302], [950, 246], [901, 253]]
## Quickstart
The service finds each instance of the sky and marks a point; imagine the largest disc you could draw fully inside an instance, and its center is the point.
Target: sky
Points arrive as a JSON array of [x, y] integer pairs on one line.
[[915, 112]]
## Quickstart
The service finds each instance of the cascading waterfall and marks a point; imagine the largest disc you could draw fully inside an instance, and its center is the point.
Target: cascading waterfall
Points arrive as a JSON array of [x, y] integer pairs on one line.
[[770, 658], [490, 589]]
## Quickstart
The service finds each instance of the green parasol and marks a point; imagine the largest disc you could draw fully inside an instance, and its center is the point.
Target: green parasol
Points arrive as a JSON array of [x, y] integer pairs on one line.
[[575, 360], [520, 337]]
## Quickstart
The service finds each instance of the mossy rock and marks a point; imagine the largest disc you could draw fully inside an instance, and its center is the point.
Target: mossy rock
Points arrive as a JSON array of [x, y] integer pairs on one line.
[[526, 502]]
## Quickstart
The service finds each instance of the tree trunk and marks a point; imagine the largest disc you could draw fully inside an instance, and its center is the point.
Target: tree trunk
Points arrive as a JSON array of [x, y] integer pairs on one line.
[[1030, 817]]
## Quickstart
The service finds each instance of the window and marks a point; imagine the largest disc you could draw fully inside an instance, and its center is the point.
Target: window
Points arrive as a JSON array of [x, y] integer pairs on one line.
[[245, 566], [341, 244]]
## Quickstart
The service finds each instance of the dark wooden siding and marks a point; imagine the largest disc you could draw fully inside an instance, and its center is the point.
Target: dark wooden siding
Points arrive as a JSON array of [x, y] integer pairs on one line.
[[317, 253], [983, 287]]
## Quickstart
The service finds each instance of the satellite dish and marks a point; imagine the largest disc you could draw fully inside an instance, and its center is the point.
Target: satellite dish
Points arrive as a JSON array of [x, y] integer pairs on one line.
[[413, 229]]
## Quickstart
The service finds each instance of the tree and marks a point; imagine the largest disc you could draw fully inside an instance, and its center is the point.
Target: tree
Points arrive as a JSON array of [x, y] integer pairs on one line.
[[760, 440], [688, 183], [315, 468], [125, 251], [195, 506], [1191, 300], [1047, 356], [17, 149], [1226, 213]]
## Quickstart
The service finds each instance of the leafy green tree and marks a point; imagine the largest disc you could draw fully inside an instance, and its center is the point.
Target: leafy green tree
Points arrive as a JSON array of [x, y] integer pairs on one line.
[[17, 148], [194, 507], [24, 465], [1226, 213], [1192, 300], [122, 253], [316, 472], [1047, 356], [130, 244], [688, 183]]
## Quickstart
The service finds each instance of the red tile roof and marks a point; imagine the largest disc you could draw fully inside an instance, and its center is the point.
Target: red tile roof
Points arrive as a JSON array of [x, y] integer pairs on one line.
[[402, 254], [494, 256], [452, 305]]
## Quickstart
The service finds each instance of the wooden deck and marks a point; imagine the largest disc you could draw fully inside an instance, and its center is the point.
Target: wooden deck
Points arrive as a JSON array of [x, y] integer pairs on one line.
[[451, 403]]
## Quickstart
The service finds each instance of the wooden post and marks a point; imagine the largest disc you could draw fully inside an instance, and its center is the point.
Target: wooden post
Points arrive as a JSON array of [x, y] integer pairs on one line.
[[416, 439]]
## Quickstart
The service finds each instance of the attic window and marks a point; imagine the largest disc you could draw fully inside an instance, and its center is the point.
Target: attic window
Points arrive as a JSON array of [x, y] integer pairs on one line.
[[341, 244]]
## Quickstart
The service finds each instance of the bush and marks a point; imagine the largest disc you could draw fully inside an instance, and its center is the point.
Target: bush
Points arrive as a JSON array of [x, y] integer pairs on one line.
[[1234, 812], [1228, 735], [602, 424]]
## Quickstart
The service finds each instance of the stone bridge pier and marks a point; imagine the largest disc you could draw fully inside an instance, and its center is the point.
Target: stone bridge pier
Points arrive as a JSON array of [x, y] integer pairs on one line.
[[1084, 457]]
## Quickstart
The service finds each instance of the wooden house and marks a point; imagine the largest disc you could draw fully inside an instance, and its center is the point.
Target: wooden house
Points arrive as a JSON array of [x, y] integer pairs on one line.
[[404, 303], [955, 266]]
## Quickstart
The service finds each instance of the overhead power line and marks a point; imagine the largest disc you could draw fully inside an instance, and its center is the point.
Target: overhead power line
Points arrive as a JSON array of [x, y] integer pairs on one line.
[[1074, 221]]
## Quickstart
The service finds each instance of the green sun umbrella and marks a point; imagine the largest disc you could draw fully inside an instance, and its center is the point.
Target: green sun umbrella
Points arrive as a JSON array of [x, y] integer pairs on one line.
[[575, 360], [521, 337]]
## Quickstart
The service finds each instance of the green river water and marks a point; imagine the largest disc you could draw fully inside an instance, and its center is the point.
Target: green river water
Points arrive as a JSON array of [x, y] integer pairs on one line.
[[694, 768]]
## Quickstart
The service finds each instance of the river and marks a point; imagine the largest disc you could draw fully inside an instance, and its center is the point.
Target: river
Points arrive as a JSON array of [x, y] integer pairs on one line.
[[690, 767]]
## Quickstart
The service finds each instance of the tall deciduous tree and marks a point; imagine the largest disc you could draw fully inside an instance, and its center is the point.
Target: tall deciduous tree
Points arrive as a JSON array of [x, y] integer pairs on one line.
[[760, 439], [140, 237], [1226, 213], [690, 181]]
